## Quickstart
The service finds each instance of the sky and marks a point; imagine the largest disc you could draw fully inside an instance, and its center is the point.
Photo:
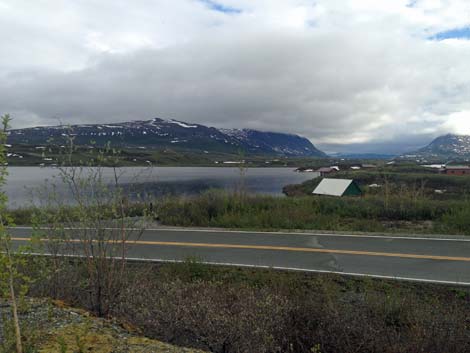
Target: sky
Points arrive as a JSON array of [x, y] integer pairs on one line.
[[351, 75]]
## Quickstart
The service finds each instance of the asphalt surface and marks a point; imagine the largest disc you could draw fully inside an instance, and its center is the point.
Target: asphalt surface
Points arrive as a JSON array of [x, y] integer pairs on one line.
[[408, 258]]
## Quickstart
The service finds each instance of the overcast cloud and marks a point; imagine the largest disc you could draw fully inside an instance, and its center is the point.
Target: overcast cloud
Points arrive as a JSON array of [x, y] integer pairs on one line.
[[351, 75]]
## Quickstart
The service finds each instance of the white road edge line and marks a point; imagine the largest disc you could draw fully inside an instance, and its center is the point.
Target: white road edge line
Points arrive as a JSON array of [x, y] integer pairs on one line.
[[276, 233], [350, 274]]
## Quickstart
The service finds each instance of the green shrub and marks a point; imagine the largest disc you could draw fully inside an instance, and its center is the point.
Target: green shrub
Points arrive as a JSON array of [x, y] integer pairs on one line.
[[457, 220]]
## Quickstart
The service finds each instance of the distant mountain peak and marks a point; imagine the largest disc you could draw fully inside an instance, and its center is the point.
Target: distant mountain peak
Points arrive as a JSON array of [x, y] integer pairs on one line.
[[449, 146], [162, 133]]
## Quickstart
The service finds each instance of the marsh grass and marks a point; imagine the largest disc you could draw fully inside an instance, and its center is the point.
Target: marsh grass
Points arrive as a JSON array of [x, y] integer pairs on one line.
[[402, 211]]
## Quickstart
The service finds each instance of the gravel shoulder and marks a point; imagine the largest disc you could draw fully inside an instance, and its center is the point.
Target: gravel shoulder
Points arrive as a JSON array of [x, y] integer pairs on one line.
[[53, 327]]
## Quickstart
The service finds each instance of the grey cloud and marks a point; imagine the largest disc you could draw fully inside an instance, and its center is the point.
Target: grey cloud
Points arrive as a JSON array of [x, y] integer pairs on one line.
[[335, 88], [402, 144]]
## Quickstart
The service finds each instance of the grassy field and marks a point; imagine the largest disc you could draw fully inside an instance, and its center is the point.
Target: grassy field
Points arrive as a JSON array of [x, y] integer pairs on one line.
[[407, 212], [398, 213], [418, 181]]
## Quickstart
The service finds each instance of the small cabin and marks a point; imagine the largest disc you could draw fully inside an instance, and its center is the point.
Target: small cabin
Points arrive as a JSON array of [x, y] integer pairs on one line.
[[338, 188], [327, 170]]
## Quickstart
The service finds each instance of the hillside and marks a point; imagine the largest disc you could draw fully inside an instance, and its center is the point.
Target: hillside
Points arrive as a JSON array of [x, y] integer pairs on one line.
[[160, 133], [446, 147]]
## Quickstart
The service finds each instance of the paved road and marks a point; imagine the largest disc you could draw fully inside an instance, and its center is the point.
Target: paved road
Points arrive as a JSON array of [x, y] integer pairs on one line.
[[413, 258]]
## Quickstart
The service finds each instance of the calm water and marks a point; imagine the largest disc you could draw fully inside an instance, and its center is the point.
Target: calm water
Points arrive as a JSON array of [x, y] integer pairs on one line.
[[23, 181]]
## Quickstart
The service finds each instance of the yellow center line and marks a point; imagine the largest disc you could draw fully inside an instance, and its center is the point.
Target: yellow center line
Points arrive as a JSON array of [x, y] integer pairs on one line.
[[281, 248]]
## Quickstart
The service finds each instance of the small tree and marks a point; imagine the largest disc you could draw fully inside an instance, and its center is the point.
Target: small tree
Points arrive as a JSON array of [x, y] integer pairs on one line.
[[242, 169], [8, 271], [86, 212]]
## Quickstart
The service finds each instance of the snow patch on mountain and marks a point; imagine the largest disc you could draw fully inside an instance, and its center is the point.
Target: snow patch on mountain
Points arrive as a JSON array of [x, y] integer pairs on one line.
[[183, 124]]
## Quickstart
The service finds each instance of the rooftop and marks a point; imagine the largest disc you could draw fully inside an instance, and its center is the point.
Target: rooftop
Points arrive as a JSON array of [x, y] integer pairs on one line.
[[333, 187], [466, 167]]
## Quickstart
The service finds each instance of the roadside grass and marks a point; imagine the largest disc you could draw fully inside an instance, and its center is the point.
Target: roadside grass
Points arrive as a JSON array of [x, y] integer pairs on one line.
[[372, 213], [226, 309]]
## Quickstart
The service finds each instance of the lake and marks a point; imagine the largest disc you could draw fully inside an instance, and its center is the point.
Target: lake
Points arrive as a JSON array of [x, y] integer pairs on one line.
[[157, 181]]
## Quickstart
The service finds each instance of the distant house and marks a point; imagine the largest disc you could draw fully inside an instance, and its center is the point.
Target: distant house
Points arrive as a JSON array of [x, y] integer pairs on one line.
[[338, 187], [456, 170], [327, 170], [369, 166]]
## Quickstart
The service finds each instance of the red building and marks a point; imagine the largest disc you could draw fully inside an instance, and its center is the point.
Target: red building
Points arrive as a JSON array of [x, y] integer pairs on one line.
[[327, 170], [456, 170]]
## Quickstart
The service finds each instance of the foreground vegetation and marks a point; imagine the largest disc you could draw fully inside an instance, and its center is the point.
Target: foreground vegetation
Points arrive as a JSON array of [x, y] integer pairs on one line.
[[222, 309], [51, 326]]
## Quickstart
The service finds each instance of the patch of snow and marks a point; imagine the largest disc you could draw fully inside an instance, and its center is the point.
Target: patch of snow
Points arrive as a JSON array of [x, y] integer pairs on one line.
[[434, 166], [183, 124]]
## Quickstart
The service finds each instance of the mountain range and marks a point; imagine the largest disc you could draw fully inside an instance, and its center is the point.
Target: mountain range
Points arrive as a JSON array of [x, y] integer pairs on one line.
[[162, 133]]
